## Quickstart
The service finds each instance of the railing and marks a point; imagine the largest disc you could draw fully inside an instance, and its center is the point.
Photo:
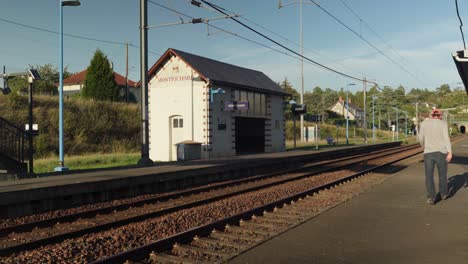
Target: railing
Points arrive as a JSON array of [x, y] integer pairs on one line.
[[13, 142]]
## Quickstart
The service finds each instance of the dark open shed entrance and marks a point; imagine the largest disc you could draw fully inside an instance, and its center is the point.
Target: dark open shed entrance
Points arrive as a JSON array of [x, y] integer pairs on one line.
[[250, 135]]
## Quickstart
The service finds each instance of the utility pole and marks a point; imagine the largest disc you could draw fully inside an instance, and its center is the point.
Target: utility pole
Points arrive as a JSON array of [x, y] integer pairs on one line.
[[417, 119], [145, 160], [126, 72], [365, 119]]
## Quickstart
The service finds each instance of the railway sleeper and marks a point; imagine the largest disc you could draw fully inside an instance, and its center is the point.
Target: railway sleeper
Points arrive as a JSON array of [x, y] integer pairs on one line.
[[200, 254], [162, 258], [274, 221], [292, 211], [258, 225], [237, 238], [214, 244], [284, 216], [246, 231]]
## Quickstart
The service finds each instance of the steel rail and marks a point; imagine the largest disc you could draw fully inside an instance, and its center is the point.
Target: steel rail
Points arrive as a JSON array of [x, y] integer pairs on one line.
[[26, 227], [166, 244], [102, 227]]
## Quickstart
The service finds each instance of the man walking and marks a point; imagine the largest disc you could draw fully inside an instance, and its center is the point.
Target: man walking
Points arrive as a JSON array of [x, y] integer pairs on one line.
[[434, 138]]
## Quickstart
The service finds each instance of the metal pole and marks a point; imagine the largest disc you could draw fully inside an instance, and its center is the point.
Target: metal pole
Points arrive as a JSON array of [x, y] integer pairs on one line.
[[302, 71], [373, 116], [406, 124], [347, 118], [30, 134], [126, 72], [145, 160], [365, 118], [61, 166], [417, 119], [294, 130], [316, 135], [397, 132]]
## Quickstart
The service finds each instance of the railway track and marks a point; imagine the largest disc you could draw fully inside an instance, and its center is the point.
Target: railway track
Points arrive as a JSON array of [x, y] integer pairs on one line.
[[198, 197]]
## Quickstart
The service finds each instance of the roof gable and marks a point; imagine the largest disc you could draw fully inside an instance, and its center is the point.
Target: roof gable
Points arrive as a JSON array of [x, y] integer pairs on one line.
[[221, 73]]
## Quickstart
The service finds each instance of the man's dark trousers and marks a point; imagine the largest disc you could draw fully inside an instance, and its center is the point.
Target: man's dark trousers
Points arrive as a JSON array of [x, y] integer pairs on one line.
[[430, 160]]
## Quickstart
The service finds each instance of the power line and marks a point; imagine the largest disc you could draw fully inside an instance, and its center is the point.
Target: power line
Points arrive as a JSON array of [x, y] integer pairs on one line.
[[223, 30], [365, 40], [71, 35], [278, 35], [378, 35], [461, 24], [288, 40], [239, 36], [281, 45]]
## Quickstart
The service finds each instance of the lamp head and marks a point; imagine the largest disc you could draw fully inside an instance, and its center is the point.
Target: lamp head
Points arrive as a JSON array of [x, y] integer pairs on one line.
[[70, 3]]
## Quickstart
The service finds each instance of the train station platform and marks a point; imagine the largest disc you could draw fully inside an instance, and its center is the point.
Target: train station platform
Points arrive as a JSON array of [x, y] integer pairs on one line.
[[60, 190], [390, 223]]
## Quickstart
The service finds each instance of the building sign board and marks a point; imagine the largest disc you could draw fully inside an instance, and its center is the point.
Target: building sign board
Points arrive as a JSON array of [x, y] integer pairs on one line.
[[229, 106]]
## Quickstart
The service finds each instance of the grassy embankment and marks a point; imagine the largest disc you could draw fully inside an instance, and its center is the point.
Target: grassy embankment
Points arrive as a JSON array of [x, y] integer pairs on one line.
[[104, 134], [96, 134]]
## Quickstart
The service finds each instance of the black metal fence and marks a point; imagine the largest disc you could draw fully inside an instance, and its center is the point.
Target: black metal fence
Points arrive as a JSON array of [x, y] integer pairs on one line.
[[13, 142]]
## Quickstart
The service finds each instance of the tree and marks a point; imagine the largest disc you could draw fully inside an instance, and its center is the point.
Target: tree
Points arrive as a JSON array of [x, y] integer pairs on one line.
[[100, 81], [287, 87], [49, 79], [46, 85]]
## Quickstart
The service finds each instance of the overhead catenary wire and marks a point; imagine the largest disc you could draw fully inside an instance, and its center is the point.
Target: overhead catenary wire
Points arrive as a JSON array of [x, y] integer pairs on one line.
[[461, 24], [373, 31], [71, 35], [198, 4], [365, 40], [225, 31], [296, 44], [219, 9]]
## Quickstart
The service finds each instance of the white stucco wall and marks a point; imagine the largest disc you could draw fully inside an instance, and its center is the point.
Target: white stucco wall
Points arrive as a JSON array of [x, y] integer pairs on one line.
[[177, 90], [72, 89], [339, 109], [221, 140], [277, 129], [170, 94]]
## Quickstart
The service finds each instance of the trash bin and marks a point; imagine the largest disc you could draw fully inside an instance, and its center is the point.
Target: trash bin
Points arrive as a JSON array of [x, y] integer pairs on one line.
[[188, 150]]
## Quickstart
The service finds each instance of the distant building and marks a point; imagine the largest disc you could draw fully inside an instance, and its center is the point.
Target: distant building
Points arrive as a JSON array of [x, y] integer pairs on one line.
[[355, 112], [75, 83], [226, 109]]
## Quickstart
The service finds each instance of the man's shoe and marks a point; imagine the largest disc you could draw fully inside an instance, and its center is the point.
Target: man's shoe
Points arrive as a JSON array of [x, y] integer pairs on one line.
[[430, 201], [444, 197]]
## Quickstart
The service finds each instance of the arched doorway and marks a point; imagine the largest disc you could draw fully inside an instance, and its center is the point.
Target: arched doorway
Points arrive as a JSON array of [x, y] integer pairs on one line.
[[462, 129]]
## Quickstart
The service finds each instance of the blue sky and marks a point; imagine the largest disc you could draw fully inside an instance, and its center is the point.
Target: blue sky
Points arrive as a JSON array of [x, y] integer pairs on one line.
[[424, 34]]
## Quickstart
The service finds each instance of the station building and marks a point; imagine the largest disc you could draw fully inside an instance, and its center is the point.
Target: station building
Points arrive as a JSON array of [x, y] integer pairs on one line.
[[225, 109]]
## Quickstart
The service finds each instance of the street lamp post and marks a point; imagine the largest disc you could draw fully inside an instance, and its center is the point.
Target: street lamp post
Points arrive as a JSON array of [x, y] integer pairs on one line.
[[347, 113], [373, 117], [61, 166], [347, 117], [293, 106], [396, 121], [301, 2]]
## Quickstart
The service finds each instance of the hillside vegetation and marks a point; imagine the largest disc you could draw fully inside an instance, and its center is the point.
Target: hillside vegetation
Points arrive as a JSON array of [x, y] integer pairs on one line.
[[89, 126]]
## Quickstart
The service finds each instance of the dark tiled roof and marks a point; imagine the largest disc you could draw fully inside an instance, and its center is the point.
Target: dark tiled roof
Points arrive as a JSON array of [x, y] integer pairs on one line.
[[351, 106], [79, 78], [222, 73], [355, 107]]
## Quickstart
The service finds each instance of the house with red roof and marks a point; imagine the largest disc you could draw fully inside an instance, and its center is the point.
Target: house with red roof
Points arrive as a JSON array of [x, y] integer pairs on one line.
[[75, 83]]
